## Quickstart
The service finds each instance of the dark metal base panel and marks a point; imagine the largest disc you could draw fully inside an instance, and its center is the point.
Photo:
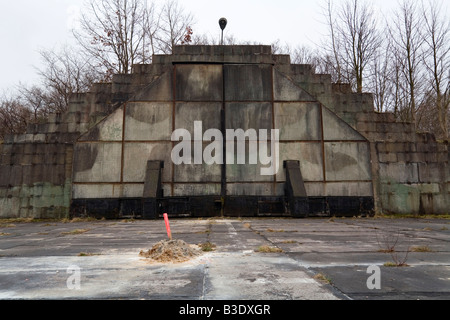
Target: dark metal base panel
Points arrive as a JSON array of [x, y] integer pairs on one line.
[[231, 206]]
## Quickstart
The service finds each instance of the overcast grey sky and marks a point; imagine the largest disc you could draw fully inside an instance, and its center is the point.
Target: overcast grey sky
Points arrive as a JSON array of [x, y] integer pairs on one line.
[[28, 26]]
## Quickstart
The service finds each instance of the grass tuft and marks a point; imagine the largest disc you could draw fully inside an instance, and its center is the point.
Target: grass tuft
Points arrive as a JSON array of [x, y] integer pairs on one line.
[[322, 278], [76, 231], [207, 246], [421, 249], [88, 254], [268, 249]]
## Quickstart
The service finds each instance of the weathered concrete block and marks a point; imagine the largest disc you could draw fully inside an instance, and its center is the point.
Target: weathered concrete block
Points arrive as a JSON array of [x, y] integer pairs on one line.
[[315, 189], [148, 121], [69, 127], [5, 173], [381, 147], [209, 113], [388, 157], [347, 161], [336, 129], [92, 191], [431, 157], [348, 117], [108, 129], [199, 82], [158, 90], [57, 174], [185, 189], [5, 159], [366, 126], [37, 173], [8, 138], [310, 157], [97, 162], [27, 174], [425, 137], [248, 116], [443, 157], [29, 148], [399, 172], [432, 172], [51, 148], [50, 157], [9, 206], [401, 157], [429, 188], [349, 189], [426, 147], [395, 147], [416, 157], [298, 121], [60, 158], [136, 156], [400, 198], [17, 149], [436, 203], [6, 148], [250, 189], [366, 116], [248, 82], [246, 172], [286, 90], [16, 175], [197, 173]]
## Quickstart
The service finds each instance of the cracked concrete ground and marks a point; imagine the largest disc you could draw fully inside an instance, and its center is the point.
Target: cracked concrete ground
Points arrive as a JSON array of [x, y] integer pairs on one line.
[[320, 259]]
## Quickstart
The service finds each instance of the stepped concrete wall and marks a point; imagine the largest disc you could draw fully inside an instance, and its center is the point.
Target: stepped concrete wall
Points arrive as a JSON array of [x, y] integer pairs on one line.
[[95, 155]]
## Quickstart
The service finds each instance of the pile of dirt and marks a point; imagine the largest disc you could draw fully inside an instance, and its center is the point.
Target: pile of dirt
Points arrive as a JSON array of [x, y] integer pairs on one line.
[[171, 251]]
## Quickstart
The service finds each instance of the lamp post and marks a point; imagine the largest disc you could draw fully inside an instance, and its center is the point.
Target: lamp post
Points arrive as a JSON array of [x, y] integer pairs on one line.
[[222, 23]]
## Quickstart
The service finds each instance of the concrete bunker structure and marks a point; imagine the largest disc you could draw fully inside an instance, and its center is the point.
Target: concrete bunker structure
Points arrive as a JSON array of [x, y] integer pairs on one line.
[[109, 155]]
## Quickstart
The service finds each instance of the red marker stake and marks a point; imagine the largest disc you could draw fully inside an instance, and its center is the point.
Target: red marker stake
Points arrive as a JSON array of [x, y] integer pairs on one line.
[[166, 220]]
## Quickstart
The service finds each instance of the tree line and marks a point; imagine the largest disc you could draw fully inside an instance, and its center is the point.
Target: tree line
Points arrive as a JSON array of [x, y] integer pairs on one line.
[[402, 58]]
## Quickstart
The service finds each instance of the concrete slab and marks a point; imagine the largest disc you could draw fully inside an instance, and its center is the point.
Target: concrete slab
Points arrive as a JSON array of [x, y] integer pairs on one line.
[[41, 260]]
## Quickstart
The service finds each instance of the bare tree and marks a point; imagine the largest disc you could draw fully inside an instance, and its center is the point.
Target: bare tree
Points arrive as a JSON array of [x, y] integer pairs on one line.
[[353, 40], [174, 23], [332, 59], [64, 74], [407, 43], [359, 38], [36, 100], [14, 116], [437, 61], [112, 33], [382, 69], [151, 22]]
